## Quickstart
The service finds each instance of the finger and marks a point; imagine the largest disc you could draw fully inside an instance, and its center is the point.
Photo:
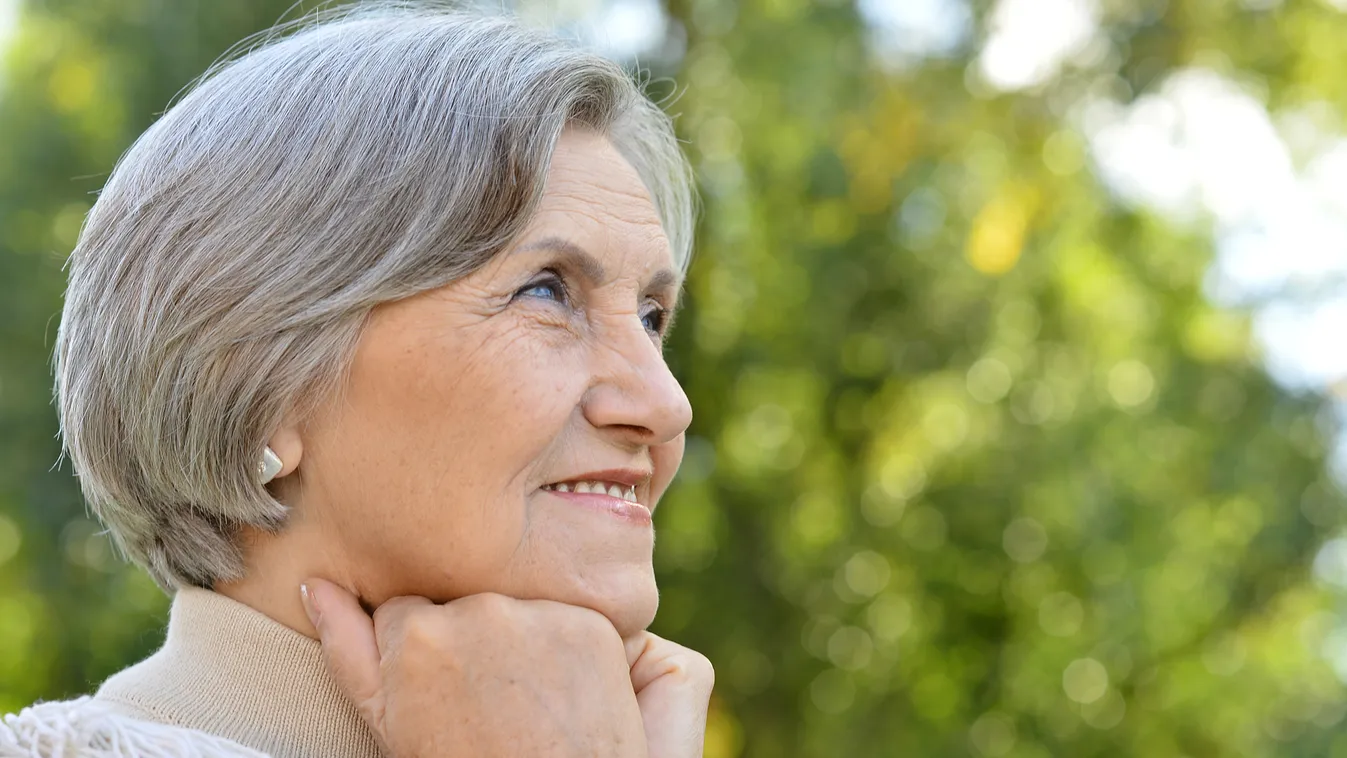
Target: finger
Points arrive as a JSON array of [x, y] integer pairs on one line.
[[390, 617], [652, 657], [636, 647], [347, 634], [673, 689]]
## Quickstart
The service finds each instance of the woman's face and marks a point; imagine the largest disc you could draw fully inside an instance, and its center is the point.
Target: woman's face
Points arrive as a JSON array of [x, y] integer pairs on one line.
[[435, 473]]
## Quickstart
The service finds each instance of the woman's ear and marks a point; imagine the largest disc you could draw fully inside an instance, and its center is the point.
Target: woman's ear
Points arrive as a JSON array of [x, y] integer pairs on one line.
[[287, 444]]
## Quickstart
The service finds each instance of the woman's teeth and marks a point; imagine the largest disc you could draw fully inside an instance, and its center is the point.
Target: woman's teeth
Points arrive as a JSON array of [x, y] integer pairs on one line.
[[596, 488]]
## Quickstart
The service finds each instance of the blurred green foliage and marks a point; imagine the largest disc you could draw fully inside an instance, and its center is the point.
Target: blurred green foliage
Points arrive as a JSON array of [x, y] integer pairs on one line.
[[976, 468]]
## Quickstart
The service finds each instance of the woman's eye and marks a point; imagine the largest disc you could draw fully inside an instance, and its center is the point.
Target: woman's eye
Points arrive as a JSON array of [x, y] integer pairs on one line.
[[655, 319], [548, 288]]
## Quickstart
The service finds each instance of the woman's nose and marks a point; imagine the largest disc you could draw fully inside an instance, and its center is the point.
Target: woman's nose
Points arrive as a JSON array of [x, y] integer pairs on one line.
[[634, 392]]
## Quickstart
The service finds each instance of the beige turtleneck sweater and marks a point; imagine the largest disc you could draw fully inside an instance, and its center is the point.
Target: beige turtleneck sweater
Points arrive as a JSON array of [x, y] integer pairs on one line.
[[232, 671]]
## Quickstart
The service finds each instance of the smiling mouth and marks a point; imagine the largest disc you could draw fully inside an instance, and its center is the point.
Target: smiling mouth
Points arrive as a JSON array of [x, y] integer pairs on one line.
[[587, 487]]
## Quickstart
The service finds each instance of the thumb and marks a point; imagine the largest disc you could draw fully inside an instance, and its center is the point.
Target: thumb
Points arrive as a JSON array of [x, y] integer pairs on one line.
[[673, 689], [350, 648], [635, 646]]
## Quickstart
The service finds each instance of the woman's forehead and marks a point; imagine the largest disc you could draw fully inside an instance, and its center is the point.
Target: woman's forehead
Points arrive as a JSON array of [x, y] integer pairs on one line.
[[586, 169], [595, 201]]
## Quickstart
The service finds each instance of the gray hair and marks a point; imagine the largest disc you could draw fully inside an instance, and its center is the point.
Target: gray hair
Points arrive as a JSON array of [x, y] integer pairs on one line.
[[221, 280]]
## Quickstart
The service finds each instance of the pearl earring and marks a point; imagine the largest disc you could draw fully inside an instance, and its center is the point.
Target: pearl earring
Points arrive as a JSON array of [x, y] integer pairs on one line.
[[270, 465]]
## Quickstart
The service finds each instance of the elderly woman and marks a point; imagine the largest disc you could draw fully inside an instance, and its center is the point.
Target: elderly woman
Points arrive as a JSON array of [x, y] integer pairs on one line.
[[361, 360]]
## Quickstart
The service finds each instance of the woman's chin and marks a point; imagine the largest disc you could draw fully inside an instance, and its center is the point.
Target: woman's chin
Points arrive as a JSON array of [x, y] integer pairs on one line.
[[637, 615], [629, 602]]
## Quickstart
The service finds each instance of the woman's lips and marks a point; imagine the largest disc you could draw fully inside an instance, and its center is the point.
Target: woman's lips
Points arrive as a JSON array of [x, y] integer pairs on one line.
[[634, 513]]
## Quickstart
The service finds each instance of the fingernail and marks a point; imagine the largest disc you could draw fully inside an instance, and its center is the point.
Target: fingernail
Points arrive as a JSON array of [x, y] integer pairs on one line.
[[310, 605]]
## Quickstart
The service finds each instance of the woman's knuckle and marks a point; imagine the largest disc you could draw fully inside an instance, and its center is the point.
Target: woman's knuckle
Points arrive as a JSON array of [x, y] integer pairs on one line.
[[690, 666], [701, 667], [421, 631], [487, 604]]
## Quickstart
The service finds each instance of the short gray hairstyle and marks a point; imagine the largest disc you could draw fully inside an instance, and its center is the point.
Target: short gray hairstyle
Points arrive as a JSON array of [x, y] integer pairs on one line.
[[222, 278]]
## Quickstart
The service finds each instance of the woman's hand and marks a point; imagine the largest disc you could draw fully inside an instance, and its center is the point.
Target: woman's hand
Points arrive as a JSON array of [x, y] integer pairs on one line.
[[491, 675], [673, 687]]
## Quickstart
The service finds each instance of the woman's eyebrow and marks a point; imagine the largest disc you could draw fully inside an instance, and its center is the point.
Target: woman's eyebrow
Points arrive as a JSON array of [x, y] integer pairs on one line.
[[590, 268], [667, 281]]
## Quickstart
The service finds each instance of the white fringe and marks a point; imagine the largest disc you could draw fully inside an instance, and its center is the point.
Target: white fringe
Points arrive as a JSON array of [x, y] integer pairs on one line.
[[85, 728]]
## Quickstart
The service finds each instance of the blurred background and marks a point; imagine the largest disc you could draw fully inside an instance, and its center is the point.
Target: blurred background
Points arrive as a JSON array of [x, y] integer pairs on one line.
[[1017, 338]]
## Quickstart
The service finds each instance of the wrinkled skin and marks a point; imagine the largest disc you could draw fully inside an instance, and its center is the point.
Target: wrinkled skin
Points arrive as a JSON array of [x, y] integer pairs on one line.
[[424, 478]]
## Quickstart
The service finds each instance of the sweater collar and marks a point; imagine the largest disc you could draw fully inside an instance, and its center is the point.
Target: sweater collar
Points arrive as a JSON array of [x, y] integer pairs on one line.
[[232, 671]]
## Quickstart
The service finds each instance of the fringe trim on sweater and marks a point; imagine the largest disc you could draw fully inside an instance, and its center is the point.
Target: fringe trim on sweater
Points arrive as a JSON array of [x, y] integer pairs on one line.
[[85, 728]]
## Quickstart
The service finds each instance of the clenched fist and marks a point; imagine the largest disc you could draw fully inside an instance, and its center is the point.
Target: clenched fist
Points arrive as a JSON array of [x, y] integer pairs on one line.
[[489, 675]]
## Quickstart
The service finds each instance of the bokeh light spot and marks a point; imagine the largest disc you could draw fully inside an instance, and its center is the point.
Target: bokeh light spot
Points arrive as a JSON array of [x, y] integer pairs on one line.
[[997, 237], [1085, 680], [832, 692], [867, 573], [10, 539], [1130, 384], [993, 734], [889, 617], [1024, 540], [1060, 614], [988, 380]]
